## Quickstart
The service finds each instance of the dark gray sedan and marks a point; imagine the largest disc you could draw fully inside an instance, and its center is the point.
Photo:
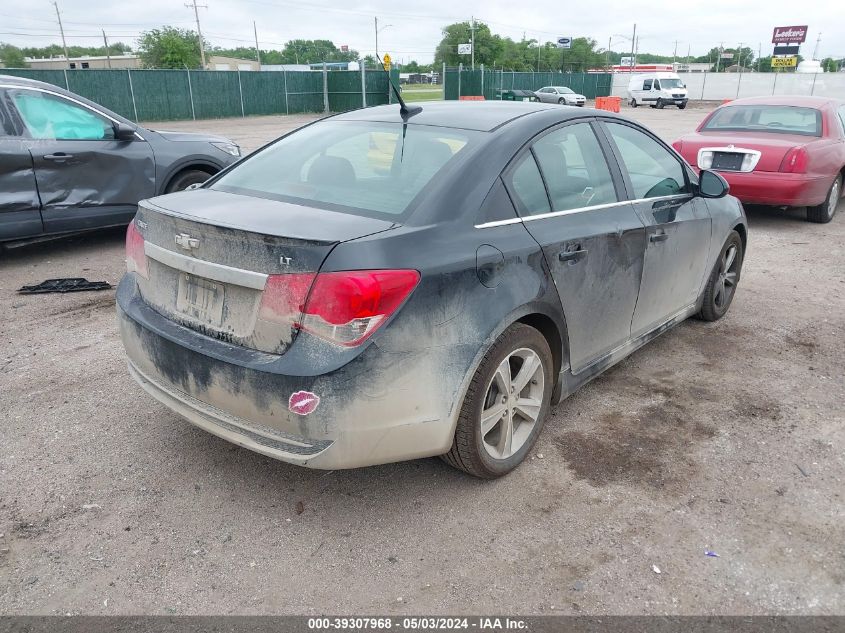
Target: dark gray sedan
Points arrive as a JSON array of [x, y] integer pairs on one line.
[[68, 164], [385, 285]]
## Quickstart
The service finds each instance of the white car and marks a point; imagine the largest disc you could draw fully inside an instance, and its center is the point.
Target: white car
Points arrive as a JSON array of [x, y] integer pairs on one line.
[[561, 95]]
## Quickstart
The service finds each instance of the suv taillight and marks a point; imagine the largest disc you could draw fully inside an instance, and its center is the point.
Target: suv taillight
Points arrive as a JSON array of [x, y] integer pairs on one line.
[[795, 161], [136, 259], [344, 308]]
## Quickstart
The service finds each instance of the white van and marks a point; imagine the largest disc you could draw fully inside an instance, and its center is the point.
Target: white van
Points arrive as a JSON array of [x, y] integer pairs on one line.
[[657, 90]]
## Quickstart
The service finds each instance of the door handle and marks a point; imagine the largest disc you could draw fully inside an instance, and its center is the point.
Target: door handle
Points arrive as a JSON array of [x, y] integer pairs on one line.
[[658, 237], [573, 257], [58, 156]]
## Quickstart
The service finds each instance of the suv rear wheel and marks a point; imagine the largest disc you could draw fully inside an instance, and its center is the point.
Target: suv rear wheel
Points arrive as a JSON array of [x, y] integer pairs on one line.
[[505, 406]]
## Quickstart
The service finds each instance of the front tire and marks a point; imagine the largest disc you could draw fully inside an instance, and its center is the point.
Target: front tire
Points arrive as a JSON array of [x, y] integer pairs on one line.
[[682, 106], [187, 178], [824, 212], [660, 104], [721, 287], [561, 101], [505, 405]]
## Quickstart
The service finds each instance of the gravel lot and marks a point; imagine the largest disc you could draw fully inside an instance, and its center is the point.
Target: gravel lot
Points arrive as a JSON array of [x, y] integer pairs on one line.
[[726, 437]]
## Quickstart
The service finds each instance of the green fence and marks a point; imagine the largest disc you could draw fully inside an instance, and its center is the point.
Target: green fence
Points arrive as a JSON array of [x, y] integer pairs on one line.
[[461, 82], [164, 95]]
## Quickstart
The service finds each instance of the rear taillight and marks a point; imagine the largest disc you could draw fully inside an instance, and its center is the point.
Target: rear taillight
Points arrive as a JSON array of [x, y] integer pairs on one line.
[[284, 297], [344, 308], [136, 259], [795, 161]]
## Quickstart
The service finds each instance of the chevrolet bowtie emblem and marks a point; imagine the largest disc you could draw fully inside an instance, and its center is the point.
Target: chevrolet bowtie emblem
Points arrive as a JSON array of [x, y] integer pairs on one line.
[[186, 241]]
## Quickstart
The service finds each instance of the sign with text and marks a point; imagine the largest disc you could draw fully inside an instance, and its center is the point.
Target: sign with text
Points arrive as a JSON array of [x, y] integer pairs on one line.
[[464, 49], [784, 62], [564, 42], [789, 34]]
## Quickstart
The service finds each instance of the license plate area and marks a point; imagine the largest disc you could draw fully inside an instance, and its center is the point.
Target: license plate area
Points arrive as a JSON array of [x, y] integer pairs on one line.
[[727, 161], [200, 299]]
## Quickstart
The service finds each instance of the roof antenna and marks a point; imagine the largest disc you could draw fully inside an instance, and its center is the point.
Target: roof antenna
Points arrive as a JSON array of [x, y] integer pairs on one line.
[[404, 110]]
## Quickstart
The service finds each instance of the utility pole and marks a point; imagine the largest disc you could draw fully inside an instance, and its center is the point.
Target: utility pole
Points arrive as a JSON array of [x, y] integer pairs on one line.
[[816, 49], [719, 55], [472, 40], [607, 57], [106, 43], [759, 53], [375, 21], [633, 46], [674, 54], [193, 5], [257, 52], [739, 54], [538, 55], [62, 31]]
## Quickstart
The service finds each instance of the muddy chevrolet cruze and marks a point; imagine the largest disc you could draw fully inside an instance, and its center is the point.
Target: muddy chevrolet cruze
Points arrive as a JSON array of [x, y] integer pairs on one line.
[[385, 285]]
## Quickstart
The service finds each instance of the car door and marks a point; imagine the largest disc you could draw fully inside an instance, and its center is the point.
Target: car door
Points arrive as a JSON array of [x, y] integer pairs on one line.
[[678, 225], [20, 214], [86, 177], [572, 202], [548, 95]]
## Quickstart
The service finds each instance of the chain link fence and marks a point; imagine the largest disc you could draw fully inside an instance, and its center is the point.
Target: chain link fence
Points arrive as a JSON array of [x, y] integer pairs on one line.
[[167, 95], [464, 82]]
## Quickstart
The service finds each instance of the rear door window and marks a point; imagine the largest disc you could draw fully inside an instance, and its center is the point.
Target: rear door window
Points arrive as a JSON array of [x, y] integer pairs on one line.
[[527, 188], [574, 168], [50, 117]]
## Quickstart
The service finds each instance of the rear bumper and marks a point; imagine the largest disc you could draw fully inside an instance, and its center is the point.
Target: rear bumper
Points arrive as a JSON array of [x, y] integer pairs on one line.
[[777, 189], [380, 407]]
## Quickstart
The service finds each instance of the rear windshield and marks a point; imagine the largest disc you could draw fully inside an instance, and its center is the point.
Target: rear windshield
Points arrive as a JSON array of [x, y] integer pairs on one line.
[[767, 118], [361, 167]]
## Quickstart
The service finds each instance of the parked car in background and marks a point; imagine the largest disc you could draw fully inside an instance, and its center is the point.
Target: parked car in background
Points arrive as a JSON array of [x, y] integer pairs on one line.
[[561, 95], [68, 164], [328, 308], [657, 89], [776, 151]]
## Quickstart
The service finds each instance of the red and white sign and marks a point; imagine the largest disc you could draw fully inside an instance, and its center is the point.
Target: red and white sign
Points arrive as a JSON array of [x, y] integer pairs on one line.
[[344, 48], [789, 34], [303, 402]]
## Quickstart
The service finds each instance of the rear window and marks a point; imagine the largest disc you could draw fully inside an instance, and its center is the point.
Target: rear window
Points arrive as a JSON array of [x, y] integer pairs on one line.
[[361, 167], [767, 118]]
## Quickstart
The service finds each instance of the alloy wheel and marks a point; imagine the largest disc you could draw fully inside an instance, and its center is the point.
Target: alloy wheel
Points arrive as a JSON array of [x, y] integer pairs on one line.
[[512, 403], [834, 199], [728, 273]]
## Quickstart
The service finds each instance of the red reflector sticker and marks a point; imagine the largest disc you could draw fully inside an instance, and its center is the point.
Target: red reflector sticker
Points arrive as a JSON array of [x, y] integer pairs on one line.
[[303, 402]]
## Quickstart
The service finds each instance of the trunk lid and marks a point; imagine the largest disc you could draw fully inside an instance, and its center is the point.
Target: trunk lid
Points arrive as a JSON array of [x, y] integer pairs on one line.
[[209, 255]]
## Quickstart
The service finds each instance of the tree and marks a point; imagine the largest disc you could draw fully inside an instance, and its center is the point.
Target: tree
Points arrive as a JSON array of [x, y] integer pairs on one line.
[[169, 47], [314, 52], [742, 56], [12, 56]]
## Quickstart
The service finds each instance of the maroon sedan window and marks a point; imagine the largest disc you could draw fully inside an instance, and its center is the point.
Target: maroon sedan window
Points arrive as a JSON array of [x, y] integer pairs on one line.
[[766, 118]]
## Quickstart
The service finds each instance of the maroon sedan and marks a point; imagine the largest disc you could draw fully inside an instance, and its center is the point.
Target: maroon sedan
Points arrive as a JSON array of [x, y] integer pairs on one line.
[[775, 151]]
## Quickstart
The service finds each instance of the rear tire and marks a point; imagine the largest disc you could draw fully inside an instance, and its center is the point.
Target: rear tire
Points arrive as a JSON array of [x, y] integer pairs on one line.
[[824, 212], [185, 179], [633, 103], [509, 436], [721, 287]]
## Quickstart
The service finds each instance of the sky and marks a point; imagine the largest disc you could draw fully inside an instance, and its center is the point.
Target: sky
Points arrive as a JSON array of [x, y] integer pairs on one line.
[[411, 30]]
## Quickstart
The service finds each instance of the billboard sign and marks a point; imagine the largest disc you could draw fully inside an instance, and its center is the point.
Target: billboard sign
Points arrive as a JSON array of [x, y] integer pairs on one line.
[[789, 34], [727, 55], [464, 49], [784, 62], [787, 49], [564, 42], [344, 48], [626, 61]]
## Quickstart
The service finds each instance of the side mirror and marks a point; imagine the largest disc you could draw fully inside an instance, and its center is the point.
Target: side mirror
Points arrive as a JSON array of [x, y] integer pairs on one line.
[[123, 132], [712, 185]]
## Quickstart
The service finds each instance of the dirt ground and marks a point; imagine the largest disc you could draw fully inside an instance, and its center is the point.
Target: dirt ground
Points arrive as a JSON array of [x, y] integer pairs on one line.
[[727, 437]]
